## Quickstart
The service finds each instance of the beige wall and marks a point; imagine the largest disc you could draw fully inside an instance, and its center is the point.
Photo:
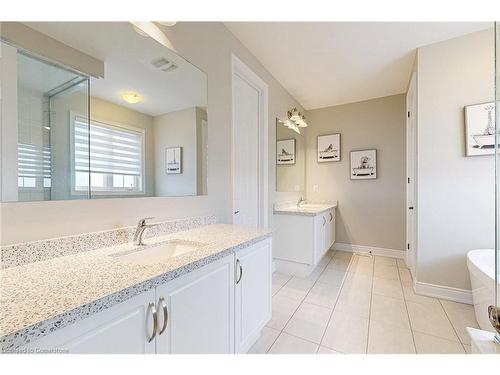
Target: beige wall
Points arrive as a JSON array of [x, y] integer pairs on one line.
[[455, 193], [370, 212], [209, 46]]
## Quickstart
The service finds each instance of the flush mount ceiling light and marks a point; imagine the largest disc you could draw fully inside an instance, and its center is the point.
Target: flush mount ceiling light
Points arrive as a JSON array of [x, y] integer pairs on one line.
[[131, 97], [167, 23]]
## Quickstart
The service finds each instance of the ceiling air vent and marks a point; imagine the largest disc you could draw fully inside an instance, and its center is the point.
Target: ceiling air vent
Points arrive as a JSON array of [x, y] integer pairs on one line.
[[163, 64]]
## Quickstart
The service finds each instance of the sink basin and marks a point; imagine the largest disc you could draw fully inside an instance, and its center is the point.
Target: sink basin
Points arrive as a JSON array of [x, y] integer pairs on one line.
[[159, 252]]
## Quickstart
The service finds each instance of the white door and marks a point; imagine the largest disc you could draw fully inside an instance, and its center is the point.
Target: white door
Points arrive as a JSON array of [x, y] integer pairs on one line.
[[253, 293], [411, 168], [196, 311], [126, 328], [249, 147]]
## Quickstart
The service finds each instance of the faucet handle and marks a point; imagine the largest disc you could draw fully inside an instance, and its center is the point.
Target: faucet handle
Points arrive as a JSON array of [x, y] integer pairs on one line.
[[142, 221]]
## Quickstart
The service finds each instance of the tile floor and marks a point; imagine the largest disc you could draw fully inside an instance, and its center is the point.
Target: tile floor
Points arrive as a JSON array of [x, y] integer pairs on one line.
[[361, 304]]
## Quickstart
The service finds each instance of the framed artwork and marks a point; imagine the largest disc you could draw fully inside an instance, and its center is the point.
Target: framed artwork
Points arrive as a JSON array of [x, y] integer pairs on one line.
[[285, 152], [328, 148], [480, 129], [173, 160], [363, 164]]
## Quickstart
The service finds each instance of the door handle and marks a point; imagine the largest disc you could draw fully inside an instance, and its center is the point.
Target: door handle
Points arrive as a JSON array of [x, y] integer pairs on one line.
[[411, 208], [331, 217], [163, 305], [238, 265], [152, 308], [236, 212], [324, 221]]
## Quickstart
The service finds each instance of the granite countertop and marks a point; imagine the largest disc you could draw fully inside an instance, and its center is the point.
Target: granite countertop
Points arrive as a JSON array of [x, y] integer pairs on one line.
[[40, 297], [306, 209]]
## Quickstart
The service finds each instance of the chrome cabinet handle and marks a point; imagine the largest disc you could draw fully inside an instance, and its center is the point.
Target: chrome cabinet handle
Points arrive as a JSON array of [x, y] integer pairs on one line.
[[152, 308], [324, 221], [331, 217], [238, 264], [163, 304]]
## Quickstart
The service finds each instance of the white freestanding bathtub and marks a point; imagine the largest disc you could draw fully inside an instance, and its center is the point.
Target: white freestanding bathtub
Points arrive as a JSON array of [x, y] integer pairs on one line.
[[481, 265]]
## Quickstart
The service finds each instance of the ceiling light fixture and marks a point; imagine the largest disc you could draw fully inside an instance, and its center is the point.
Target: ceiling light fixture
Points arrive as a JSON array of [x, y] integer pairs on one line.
[[131, 97], [167, 23]]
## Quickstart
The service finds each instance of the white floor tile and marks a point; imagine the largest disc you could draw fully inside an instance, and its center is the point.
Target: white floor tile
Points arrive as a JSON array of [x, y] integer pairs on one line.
[[428, 344], [385, 261], [461, 316], [323, 295], [405, 276], [389, 339], [430, 319], [354, 282], [283, 309], [410, 295], [361, 268], [386, 272], [279, 280], [354, 303], [288, 344], [332, 277], [296, 288], [346, 333], [343, 254], [389, 311], [266, 339], [341, 264], [325, 350], [387, 287], [309, 322], [402, 264]]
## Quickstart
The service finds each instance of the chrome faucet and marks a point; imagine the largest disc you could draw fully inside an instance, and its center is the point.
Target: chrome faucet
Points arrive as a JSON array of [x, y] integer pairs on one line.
[[300, 201], [139, 231]]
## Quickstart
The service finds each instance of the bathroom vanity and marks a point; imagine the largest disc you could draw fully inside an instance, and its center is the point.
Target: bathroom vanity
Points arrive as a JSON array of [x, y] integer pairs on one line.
[[213, 296], [302, 236]]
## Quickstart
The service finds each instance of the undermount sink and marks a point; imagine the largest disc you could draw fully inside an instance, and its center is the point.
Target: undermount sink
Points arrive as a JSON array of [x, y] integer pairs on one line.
[[147, 254]]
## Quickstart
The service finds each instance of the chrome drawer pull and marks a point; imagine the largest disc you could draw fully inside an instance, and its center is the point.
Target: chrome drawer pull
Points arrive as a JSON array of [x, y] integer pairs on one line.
[[331, 217], [165, 314], [152, 308], [241, 270]]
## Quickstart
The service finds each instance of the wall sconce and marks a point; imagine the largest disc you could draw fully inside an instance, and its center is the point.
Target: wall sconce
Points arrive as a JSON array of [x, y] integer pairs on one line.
[[295, 120]]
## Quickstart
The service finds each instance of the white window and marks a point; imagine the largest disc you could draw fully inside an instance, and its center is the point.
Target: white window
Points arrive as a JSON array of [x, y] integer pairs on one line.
[[116, 158], [33, 166]]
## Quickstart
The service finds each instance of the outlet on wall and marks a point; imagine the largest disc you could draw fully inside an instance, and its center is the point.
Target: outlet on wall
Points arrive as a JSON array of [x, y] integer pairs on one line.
[[315, 187]]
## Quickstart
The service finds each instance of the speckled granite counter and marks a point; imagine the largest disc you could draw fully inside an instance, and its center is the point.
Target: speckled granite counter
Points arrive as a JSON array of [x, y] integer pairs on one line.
[[307, 209], [41, 297]]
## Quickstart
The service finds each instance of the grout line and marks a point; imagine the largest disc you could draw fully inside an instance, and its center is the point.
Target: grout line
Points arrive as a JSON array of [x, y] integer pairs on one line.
[[335, 304], [300, 304], [407, 312], [370, 309], [452, 326]]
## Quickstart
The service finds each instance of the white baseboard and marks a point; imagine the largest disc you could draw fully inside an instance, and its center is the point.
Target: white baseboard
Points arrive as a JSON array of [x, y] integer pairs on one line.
[[391, 253], [444, 292]]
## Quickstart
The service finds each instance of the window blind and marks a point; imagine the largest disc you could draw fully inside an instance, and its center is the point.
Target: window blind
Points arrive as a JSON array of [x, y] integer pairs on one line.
[[113, 150], [33, 161]]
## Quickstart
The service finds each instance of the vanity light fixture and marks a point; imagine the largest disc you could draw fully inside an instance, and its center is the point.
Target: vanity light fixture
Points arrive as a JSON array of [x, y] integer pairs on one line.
[[131, 97], [167, 23], [297, 118]]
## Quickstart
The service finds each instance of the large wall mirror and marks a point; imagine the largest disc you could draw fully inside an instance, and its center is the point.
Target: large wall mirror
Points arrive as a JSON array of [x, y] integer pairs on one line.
[[127, 119], [290, 159]]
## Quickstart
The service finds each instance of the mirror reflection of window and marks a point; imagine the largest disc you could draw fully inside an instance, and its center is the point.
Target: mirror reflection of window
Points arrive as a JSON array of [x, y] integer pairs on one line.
[[142, 97]]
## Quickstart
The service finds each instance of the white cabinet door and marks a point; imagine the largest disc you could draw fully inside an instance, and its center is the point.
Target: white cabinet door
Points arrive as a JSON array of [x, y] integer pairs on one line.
[[253, 293], [120, 329], [328, 231], [319, 237], [199, 308]]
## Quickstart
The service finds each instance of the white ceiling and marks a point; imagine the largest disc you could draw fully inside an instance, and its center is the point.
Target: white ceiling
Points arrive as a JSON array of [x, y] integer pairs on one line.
[[127, 60], [329, 63]]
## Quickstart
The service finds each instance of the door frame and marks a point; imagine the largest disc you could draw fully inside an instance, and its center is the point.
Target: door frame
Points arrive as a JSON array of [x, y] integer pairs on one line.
[[238, 68], [411, 166]]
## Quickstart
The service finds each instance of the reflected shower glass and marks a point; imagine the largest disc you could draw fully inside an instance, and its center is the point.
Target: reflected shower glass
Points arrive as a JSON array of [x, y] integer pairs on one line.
[[36, 127]]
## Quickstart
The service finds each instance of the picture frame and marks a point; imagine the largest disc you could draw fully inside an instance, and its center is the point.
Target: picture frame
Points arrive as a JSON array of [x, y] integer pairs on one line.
[[328, 148], [285, 152], [173, 160], [363, 164], [480, 129]]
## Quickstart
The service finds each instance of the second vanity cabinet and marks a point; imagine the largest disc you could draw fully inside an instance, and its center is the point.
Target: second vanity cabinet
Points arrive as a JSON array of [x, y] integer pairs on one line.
[[218, 308]]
